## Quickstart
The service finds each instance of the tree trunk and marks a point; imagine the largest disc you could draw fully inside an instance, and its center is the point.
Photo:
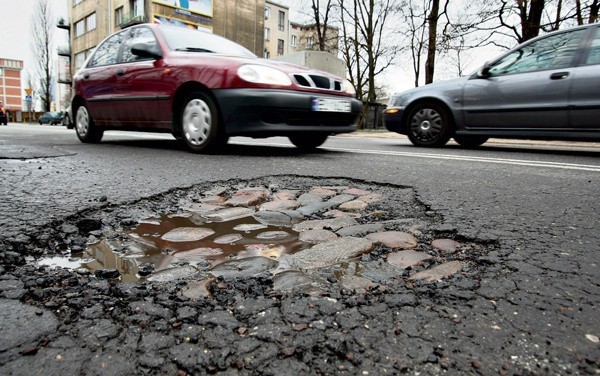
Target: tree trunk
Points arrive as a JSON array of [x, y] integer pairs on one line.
[[432, 20], [530, 21], [594, 9]]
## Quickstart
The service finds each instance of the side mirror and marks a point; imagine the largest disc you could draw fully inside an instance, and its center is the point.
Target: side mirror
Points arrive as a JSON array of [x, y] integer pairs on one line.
[[484, 72], [145, 50]]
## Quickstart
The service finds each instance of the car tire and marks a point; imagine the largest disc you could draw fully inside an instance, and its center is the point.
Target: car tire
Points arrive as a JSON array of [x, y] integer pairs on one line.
[[200, 127], [428, 125], [308, 141], [469, 141], [86, 129]]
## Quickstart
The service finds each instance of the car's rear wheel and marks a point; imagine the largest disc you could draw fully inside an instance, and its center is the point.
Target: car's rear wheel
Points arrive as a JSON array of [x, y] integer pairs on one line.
[[308, 141], [428, 125], [86, 129], [200, 129], [468, 141]]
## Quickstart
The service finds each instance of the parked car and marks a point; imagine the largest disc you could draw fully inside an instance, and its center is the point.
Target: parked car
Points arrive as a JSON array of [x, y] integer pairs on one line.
[[51, 118], [67, 119], [546, 88], [204, 88]]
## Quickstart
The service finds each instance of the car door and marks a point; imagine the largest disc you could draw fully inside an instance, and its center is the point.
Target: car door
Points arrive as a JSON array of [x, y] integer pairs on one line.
[[142, 84], [525, 89], [585, 91], [99, 79]]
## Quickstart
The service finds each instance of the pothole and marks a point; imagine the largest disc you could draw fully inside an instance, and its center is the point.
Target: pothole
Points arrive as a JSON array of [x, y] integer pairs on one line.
[[299, 232]]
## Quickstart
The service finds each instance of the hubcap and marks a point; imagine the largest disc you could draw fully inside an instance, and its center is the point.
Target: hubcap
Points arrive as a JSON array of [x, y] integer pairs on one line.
[[82, 121], [197, 122], [426, 124]]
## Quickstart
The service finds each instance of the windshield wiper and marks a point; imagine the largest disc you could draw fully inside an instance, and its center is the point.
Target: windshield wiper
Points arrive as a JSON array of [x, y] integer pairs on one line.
[[194, 49]]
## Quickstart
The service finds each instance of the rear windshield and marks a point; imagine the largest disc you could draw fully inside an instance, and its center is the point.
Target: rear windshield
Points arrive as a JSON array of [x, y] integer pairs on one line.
[[183, 39]]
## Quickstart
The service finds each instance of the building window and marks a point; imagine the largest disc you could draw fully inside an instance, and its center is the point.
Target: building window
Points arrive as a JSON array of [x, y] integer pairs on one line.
[[90, 22], [310, 42], [281, 22], [294, 41], [80, 59], [137, 9], [79, 28], [267, 33], [267, 13], [280, 46], [119, 16], [267, 54]]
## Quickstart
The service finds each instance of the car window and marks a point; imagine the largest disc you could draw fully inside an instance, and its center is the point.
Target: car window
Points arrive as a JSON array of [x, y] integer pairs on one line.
[[137, 35], [108, 52], [593, 56], [554, 52], [183, 39]]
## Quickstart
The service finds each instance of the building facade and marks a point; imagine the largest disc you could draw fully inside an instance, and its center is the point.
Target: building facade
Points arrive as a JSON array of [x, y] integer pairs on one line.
[[10, 84], [304, 37], [276, 27]]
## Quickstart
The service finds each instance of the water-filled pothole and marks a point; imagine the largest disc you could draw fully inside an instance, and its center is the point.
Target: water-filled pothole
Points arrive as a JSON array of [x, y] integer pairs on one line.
[[353, 236], [173, 240]]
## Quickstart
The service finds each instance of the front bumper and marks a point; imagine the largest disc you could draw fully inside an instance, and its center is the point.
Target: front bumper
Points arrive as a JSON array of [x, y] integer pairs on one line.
[[392, 119], [264, 112]]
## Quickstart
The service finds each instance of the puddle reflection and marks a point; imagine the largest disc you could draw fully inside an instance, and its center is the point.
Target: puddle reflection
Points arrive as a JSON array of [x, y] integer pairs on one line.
[[191, 240]]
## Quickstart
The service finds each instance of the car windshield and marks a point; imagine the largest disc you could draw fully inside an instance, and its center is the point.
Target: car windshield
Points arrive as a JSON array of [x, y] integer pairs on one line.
[[182, 39]]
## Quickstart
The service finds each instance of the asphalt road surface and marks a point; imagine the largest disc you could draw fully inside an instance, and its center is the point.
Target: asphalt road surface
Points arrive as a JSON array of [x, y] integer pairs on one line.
[[535, 304]]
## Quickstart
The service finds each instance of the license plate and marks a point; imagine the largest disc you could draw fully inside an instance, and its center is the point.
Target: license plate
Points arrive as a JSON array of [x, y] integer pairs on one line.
[[331, 105]]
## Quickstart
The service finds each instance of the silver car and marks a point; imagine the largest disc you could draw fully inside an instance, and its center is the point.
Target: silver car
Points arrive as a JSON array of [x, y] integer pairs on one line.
[[545, 88]]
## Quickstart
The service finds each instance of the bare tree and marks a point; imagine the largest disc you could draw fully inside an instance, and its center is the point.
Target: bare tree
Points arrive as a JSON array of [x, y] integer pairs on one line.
[[415, 20], [588, 9], [42, 47], [365, 42], [432, 22], [521, 20], [321, 17]]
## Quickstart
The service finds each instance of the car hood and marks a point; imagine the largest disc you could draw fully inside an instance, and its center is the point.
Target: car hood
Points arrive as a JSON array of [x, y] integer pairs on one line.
[[236, 61]]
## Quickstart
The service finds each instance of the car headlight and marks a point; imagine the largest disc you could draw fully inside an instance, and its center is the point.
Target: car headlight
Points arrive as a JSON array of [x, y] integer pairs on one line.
[[260, 74], [349, 88]]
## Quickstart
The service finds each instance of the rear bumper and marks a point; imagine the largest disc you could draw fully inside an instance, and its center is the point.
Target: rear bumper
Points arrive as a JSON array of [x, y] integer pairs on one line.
[[262, 112]]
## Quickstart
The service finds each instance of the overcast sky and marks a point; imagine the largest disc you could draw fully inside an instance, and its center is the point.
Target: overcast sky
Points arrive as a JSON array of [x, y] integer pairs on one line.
[[15, 22]]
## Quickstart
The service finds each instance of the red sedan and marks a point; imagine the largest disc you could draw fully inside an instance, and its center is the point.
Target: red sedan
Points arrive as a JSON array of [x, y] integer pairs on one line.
[[203, 89]]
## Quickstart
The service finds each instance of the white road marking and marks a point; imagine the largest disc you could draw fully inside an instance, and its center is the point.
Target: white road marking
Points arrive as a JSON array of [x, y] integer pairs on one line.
[[517, 162]]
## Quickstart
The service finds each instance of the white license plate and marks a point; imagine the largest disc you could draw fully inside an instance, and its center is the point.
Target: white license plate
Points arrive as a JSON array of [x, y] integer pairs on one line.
[[331, 105]]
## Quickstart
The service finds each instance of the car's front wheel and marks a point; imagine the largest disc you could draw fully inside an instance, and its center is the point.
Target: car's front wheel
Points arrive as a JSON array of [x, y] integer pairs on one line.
[[308, 141], [470, 141], [428, 125], [84, 126], [200, 129]]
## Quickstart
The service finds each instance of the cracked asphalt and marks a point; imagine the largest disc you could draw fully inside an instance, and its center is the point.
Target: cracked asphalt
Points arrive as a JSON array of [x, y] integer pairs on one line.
[[527, 304]]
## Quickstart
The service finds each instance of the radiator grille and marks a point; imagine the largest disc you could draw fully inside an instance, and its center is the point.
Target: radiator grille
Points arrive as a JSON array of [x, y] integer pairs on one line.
[[315, 81]]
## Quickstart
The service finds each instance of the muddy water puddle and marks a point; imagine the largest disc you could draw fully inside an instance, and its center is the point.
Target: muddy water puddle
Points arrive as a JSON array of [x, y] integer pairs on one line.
[[175, 240]]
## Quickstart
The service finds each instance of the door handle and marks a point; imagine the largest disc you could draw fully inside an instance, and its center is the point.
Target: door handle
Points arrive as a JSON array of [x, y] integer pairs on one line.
[[559, 75], [120, 73], [86, 76]]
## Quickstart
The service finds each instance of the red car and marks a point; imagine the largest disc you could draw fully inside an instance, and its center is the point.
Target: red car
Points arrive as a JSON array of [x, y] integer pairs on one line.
[[203, 89]]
